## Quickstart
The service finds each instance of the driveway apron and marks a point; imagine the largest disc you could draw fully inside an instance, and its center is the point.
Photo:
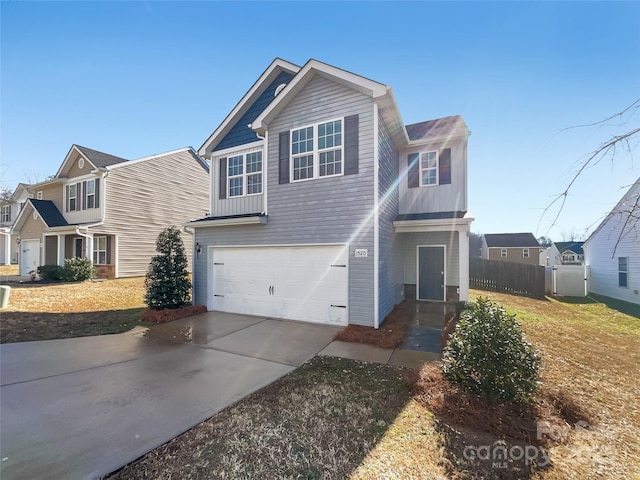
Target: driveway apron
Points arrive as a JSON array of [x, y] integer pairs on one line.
[[84, 407]]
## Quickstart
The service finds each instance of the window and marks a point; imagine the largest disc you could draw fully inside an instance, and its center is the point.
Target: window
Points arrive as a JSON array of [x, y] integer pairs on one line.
[[316, 151], [244, 174], [429, 169], [6, 214], [525, 253], [503, 252], [73, 197], [623, 272], [39, 195], [100, 250], [90, 194]]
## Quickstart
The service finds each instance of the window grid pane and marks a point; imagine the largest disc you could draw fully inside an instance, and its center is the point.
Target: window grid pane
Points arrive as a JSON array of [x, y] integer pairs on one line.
[[235, 166], [302, 140], [254, 162], [303, 167], [330, 163], [235, 186], [254, 184], [330, 135]]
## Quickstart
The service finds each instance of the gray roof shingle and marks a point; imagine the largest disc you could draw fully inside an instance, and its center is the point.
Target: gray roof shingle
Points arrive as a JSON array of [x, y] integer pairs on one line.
[[99, 159], [49, 213], [506, 240], [440, 127]]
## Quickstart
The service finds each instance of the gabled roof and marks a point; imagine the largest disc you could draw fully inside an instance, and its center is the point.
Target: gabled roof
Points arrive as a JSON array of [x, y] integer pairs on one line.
[[271, 73], [96, 158], [440, 128], [575, 247], [49, 213], [181, 152], [506, 240], [619, 208]]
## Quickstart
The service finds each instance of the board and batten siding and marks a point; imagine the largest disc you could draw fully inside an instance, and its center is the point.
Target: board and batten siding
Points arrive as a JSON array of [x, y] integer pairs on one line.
[[324, 210], [437, 198], [452, 262], [599, 254], [234, 205], [389, 242], [143, 198]]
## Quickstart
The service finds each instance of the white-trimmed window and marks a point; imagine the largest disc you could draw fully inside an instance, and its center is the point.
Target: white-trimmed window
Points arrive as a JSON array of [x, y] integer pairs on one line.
[[503, 252], [90, 194], [429, 169], [623, 272], [73, 197], [100, 250], [39, 195], [244, 174], [6, 214], [525, 253], [317, 151]]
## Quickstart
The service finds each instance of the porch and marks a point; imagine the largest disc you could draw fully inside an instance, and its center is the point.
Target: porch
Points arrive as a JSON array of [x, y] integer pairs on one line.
[[99, 248]]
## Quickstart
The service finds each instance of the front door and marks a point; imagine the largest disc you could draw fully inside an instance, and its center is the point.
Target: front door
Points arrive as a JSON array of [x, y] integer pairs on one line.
[[29, 256], [78, 250], [431, 273]]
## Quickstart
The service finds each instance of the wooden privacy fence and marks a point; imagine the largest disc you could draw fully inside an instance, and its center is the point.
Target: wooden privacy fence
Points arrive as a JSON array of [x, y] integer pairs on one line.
[[507, 277]]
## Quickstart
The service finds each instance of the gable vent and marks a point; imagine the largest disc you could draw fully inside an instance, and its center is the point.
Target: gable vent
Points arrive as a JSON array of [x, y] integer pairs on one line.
[[279, 89]]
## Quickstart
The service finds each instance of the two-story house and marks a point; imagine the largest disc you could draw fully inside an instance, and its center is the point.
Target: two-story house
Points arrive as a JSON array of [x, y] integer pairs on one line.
[[325, 207], [110, 210], [9, 210], [571, 253], [512, 247]]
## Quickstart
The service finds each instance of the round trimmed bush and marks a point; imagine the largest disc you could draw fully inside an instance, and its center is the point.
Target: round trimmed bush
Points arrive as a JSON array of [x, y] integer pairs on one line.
[[488, 355]]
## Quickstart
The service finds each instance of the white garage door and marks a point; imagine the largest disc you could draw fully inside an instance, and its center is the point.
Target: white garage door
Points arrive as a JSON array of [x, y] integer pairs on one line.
[[29, 256], [296, 283]]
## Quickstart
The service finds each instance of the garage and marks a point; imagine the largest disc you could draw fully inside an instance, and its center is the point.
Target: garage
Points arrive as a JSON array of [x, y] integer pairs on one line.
[[307, 283]]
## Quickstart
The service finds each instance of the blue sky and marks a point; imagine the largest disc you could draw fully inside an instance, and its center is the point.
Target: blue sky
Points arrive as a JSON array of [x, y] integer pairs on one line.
[[137, 78]]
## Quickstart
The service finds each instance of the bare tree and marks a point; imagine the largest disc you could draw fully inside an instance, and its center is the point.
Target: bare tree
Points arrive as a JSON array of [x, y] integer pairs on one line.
[[610, 149]]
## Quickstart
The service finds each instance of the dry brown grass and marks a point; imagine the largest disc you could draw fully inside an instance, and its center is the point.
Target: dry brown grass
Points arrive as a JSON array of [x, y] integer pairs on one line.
[[41, 311], [6, 270], [390, 334]]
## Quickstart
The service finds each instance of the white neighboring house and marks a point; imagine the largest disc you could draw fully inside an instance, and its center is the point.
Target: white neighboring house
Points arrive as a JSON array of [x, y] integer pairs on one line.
[[9, 210], [551, 256], [612, 252]]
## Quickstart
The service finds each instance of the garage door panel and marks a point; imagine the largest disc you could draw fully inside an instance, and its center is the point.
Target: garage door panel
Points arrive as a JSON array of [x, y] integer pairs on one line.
[[296, 283]]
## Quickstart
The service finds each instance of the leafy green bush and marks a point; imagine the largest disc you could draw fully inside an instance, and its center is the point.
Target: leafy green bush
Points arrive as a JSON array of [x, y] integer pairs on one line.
[[54, 273], [78, 270], [488, 355], [167, 281]]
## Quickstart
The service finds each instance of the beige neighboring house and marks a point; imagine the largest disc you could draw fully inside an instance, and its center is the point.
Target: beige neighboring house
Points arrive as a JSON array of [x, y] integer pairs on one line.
[[110, 210], [9, 211], [511, 247]]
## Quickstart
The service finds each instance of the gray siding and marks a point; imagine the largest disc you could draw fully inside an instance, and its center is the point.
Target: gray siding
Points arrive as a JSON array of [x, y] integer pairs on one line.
[[326, 210], [235, 205], [142, 198], [389, 243], [440, 198], [452, 263], [603, 262]]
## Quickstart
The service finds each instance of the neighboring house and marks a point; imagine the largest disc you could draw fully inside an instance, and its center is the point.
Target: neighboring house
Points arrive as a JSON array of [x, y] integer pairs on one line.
[[9, 210], [325, 207], [511, 247], [612, 252], [110, 210], [571, 253], [551, 256]]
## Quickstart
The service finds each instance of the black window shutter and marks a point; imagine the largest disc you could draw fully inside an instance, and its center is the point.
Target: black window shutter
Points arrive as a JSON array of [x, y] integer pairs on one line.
[[222, 183], [351, 147], [84, 197], [444, 166], [96, 190], [108, 250], [413, 164], [66, 208], [283, 158]]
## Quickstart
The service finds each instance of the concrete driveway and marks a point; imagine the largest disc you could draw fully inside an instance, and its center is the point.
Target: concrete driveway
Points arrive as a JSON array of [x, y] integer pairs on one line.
[[83, 407]]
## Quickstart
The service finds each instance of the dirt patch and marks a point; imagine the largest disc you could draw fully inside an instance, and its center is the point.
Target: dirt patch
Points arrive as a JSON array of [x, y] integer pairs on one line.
[[169, 315], [390, 334]]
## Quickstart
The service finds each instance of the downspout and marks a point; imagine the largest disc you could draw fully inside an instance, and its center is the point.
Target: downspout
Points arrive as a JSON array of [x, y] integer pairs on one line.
[[191, 231], [265, 189]]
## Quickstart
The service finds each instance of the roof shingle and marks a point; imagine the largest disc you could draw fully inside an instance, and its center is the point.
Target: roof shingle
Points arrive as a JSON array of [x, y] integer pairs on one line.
[[99, 159], [506, 240], [49, 213]]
